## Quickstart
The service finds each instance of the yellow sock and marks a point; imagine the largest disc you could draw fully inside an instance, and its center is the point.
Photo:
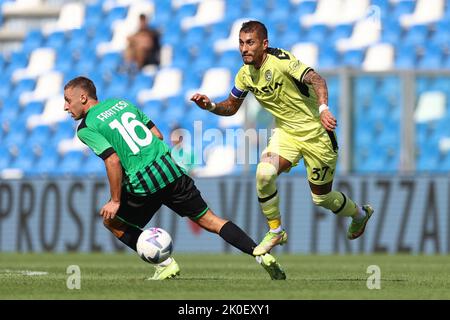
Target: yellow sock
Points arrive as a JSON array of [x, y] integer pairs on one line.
[[274, 223]]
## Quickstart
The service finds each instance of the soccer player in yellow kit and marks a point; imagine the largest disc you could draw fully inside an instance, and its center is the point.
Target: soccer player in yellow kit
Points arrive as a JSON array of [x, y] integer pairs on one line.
[[297, 97]]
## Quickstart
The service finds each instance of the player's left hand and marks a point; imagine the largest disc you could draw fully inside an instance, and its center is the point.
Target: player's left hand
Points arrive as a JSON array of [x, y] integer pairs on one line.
[[328, 120], [110, 209]]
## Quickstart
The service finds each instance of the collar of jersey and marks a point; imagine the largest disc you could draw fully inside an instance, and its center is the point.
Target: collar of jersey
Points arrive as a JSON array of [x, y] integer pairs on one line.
[[262, 65]]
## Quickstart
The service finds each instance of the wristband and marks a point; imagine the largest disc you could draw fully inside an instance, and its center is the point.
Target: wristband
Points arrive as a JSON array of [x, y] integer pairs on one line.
[[322, 108], [213, 106]]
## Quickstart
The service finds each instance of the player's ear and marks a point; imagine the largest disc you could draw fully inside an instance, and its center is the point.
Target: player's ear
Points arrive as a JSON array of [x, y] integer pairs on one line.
[[266, 43], [83, 98]]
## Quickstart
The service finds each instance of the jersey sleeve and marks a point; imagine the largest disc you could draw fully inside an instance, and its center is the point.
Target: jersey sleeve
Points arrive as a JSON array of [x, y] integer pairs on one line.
[[295, 68], [239, 90], [145, 120], [96, 142]]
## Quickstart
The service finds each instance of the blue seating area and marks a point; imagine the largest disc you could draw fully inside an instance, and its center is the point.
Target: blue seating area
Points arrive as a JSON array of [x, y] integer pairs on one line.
[[36, 148]]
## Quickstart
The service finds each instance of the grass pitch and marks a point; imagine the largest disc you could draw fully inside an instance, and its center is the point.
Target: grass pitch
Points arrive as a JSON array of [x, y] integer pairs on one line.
[[220, 276]]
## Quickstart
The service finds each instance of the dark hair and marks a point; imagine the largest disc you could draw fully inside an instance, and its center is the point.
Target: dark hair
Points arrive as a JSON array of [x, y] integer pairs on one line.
[[252, 25], [83, 83]]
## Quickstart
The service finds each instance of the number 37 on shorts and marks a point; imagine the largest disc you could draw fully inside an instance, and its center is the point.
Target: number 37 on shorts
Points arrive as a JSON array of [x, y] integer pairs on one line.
[[320, 175]]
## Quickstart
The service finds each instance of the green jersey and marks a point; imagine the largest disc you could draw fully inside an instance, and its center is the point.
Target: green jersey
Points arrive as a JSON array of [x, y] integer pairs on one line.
[[118, 126], [278, 86]]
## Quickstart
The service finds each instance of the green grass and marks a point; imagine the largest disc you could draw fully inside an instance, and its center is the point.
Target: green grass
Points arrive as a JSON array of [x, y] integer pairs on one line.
[[122, 276]]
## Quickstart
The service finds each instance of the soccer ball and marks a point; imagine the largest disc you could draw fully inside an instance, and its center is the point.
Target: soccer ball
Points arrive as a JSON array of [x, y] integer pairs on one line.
[[154, 245]]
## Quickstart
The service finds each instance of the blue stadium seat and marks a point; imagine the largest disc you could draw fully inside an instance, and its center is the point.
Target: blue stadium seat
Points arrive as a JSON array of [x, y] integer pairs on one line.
[[441, 84], [401, 8], [444, 164], [64, 60], [382, 4], [93, 15], [441, 34], [163, 14], [56, 40], [141, 81], [390, 88], [191, 80], [365, 87], [118, 87], [154, 109], [109, 63], [279, 11], [181, 57], [340, 32], [186, 10], [9, 111], [172, 34], [391, 31], [432, 59], [93, 166], [78, 39], [194, 36], [39, 136], [428, 162], [87, 61], [33, 40], [23, 85], [25, 160], [18, 59], [204, 61], [230, 59], [422, 85], [116, 13], [328, 57], [16, 135], [64, 130], [256, 9], [305, 7], [5, 158], [32, 108], [416, 35], [233, 9], [46, 164], [70, 164], [102, 33], [219, 30], [318, 34], [353, 58]]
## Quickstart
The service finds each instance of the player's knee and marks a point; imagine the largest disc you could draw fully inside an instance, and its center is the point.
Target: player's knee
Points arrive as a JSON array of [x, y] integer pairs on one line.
[[266, 174], [115, 226], [327, 201]]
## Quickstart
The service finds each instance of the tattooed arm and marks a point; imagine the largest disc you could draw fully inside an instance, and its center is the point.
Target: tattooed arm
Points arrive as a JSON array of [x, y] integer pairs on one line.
[[227, 107], [320, 88], [319, 85]]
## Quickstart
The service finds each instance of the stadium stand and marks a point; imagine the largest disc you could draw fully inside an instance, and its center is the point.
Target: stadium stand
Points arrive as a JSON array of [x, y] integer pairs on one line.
[[58, 40]]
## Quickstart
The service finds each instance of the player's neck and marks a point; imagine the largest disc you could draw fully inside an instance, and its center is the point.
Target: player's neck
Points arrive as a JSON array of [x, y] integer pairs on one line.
[[90, 104], [263, 59]]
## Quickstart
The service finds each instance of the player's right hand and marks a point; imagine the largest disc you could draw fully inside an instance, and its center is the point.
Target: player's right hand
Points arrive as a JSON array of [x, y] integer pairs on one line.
[[201, 100], [328, 120], [110, 209]]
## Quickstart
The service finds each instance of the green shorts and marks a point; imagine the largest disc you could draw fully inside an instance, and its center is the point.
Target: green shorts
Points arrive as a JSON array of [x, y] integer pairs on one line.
[[319, 154]]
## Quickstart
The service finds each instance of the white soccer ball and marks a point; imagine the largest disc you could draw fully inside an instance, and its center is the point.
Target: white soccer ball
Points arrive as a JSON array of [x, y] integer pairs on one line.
[[154, 245]]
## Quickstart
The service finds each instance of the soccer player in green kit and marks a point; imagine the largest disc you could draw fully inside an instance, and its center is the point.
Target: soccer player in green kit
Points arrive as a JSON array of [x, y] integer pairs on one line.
[[297, 97], [142, 175]]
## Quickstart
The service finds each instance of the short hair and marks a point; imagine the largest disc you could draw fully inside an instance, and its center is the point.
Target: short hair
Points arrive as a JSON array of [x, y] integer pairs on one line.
[[83, 83], [253, 25]]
